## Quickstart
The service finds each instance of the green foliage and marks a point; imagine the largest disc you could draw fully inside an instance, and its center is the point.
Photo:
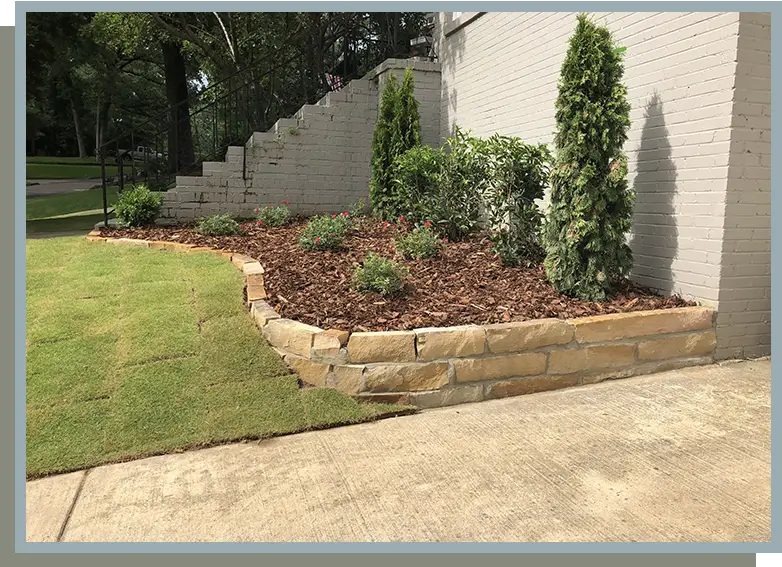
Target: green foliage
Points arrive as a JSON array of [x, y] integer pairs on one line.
[[380, 275], [397, 130], [273, 217], [421, 242], [591, 204], [516, 175], [138, 206], [325, 232], [219, 225], [442, 185]]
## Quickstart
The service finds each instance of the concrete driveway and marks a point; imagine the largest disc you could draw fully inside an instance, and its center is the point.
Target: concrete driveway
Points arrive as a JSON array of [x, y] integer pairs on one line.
[[59, 186], [678, 456]]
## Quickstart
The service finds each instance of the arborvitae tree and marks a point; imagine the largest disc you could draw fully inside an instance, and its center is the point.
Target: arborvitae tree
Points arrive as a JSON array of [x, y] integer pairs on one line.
[[397, 130], [382, 149], [406, 127], [591, 205]]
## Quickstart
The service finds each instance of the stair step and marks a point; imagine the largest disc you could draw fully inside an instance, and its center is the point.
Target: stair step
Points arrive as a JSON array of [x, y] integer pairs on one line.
[[283, 125]]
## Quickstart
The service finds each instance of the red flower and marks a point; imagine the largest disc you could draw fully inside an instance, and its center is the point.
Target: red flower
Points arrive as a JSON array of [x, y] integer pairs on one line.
[[256, 209], [331, 235], [427, 224], [317, 239], [345, 214], [393, 227], [385, 225], [333, 216], [286, 202], [241, 226], [401, 219], [259, 223]]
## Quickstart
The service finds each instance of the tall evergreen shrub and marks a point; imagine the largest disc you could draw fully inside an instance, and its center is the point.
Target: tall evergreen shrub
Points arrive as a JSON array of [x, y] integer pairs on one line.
[[397, 130], [591, 204]]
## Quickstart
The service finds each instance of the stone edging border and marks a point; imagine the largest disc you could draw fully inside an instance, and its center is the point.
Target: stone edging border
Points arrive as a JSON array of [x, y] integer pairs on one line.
[[442, 366]]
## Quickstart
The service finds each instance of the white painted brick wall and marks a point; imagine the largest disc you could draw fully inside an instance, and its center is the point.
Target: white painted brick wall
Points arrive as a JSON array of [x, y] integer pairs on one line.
[[699, 88], [319, 160]]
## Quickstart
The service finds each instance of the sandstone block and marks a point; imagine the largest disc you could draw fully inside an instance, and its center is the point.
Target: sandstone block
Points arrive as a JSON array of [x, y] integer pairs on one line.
[[590, 359], [523, 386], [290, 336], [239, 260], [388, 346], [262, 312], [448, 396], [311, 372], [347, 378], [499, 367], [409, 377], [129, 242], [696, 344], [527, 335], [254, 287], [619, 326], [252, 268], [450, 342]]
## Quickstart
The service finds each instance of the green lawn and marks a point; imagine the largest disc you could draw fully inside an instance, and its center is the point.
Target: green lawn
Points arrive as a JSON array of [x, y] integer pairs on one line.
[[62, 160], [57, 205], [134, 352], [69, 171]]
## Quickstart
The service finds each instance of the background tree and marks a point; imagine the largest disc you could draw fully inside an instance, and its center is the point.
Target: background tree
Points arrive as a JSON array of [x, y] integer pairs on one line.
[[591, 205]]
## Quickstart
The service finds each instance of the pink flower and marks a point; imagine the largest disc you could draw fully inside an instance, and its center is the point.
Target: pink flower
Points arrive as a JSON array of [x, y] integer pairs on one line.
[[393, 227], [427, 224], [345, 214], [256, 209], [333, 216], [385, 225], [317, 239], [331, 235], [401, 219], [286, 202]]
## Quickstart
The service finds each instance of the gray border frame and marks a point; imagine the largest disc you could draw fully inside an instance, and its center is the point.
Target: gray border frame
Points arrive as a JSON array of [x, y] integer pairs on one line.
[[21, 546]]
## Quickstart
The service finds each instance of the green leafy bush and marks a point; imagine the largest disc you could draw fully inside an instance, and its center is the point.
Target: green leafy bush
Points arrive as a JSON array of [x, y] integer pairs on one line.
[[219, 225], [591, 205], [421, 242], [274, 217], [325, 232], [138, 207], [516, 178], [442, 185], [396, 131], [380, 275]]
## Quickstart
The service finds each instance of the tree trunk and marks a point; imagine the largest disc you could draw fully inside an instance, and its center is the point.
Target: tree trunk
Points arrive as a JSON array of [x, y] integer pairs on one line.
[[180, 138], [79, 131]]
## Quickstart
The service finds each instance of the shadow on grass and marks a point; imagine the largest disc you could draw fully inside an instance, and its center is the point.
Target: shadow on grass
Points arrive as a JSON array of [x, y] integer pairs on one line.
[[75, 223]]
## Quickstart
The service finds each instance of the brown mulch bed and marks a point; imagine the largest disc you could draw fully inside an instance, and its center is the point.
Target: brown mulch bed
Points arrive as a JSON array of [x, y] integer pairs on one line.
[[466, 284]]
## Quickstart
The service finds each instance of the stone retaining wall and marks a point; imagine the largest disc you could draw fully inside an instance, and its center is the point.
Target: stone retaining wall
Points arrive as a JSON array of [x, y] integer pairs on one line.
[[444, 366]]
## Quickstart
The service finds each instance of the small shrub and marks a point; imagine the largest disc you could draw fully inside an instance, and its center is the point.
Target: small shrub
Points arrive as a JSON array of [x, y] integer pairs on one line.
[[138, 207], [274, 217], [380, 275], [325, 232], [421, 242], [516, 178], [443, 186], [219, 225]]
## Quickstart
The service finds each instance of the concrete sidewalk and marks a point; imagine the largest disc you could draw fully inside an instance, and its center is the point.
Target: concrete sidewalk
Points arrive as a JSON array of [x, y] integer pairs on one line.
[[44, 187], [679, 456]]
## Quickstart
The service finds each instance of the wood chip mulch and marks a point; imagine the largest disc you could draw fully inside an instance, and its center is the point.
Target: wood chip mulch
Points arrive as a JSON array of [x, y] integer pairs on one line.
[[465, 285]]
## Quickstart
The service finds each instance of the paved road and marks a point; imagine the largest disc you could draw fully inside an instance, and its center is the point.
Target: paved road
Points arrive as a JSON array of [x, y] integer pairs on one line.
[[59, 186], [679, 456]]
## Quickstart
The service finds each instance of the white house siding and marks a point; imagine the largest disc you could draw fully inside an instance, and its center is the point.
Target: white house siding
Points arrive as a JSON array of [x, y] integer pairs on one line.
[[699, 86]]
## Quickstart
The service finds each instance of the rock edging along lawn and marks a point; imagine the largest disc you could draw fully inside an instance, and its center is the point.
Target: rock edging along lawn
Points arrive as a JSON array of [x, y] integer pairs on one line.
[[444, 366]]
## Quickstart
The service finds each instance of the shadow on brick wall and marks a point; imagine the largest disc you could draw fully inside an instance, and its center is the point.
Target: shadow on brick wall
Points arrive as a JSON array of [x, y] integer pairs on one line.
[[655, 234]]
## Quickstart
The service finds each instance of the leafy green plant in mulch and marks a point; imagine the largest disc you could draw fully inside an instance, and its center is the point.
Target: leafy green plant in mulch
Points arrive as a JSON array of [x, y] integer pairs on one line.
[[442, 186], [591, 206], [380, 275], [396, 131], [516, 177], [274, 216], [219, 225], [325, 232], [421, 242], [138, 206]]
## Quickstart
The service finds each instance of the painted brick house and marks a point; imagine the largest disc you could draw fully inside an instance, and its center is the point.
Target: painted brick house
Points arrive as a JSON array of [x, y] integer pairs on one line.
[[698, 149]]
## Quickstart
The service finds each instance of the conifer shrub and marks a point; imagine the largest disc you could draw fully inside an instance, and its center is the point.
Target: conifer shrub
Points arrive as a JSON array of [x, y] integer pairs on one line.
[[591, 205]]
